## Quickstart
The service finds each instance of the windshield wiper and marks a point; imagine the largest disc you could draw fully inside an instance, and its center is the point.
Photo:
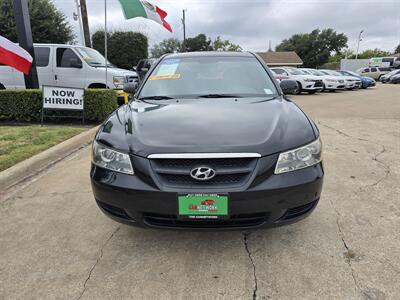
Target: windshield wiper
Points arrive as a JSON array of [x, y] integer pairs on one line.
[[219, 96], [156, 98]]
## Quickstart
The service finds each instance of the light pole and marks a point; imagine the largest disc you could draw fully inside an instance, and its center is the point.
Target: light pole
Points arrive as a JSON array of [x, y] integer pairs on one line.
[[358, 42], [184, 29]]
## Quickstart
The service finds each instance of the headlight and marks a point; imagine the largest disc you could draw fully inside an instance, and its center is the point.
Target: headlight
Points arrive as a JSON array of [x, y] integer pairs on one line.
[[300, 158], [110, 159], [119, 81]]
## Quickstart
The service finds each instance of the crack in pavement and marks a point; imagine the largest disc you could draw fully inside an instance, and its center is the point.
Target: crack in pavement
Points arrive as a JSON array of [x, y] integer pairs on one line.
[[349, 254], [385, 166], [246, 247], [97, 261], [342, 132]]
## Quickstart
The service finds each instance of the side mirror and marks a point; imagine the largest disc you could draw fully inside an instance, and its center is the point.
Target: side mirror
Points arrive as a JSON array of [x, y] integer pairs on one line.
[[130, 87], [288, 86], [75, 63], [133, 68]]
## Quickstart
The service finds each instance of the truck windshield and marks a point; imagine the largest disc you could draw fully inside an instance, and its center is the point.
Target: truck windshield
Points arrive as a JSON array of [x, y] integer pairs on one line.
[[208, 77], [92, 57]]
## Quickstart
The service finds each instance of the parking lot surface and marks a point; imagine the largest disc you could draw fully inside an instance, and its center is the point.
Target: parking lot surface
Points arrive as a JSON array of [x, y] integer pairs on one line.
[[56, 244]]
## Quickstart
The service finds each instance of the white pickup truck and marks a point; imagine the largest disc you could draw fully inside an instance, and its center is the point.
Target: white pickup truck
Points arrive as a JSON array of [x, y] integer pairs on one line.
[[69, 66]]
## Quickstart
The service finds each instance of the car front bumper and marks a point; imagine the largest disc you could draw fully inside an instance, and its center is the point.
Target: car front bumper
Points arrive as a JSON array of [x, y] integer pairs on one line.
[[278, 200], [334, 85]]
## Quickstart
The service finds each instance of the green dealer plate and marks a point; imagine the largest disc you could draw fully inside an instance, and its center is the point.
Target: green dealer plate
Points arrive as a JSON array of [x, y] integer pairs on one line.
[[203, 206]]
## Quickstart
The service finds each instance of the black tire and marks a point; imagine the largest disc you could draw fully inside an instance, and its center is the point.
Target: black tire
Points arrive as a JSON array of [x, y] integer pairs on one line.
[[312, 92], [2, 87], [97, 86], [298, 90]]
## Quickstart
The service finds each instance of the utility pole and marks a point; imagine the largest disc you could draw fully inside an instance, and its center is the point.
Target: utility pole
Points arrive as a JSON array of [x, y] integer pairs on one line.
[[358, 42], [25, 40], [184, 29], [85, 23], [79, 17]]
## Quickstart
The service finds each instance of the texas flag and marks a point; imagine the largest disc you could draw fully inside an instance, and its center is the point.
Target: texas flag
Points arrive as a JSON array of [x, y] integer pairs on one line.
[[142, 8], [14, 56]]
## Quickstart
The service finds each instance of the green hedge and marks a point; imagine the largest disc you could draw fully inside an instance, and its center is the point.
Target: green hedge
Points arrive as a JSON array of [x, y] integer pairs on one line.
[[26, 105]]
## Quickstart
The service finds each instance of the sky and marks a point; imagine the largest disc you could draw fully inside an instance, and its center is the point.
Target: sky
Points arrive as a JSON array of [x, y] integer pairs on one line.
[[253, 23]]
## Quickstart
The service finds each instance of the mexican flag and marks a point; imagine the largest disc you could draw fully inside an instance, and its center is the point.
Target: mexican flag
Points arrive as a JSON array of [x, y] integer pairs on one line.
[[142, 8]]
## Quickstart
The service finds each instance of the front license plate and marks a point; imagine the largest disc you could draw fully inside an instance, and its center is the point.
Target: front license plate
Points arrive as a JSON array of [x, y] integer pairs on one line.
[[203, 206]]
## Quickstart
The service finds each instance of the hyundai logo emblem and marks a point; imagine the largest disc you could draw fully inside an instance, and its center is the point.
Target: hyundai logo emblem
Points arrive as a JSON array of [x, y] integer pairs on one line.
[[202, 173]]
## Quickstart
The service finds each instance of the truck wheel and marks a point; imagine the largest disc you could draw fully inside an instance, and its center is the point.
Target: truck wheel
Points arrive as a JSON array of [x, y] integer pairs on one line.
[[2, 87], [97, 86]]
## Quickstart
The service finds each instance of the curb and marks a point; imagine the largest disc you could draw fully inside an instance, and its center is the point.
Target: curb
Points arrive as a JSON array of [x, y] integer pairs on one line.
[[29, 167]]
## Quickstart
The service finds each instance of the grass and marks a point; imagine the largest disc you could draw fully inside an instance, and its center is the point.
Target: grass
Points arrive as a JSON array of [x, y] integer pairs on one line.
[[18, 143]]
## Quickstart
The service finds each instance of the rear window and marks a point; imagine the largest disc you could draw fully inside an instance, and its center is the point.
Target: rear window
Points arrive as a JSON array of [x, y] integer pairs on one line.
[[191, 77]]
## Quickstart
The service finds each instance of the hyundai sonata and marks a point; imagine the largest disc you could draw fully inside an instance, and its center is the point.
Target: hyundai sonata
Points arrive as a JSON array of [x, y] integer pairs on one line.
[[208, 141]]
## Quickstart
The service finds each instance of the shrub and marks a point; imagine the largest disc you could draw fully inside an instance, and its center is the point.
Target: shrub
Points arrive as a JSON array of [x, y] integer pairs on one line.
[[26, 105]]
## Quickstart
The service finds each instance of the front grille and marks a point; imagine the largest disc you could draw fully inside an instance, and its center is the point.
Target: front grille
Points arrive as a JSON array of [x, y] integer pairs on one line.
[[341, 81], [243, 220], [318, 83], [130, 78], [229, 172]]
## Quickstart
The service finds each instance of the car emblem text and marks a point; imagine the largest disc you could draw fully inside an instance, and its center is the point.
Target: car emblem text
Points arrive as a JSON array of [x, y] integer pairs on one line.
[[202, 173]]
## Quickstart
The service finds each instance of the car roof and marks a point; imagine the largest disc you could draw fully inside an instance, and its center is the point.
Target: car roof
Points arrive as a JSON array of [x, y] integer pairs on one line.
[[209, 54]]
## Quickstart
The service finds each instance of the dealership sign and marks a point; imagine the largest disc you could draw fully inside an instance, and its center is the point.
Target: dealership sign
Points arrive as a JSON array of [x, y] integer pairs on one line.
[[62, 98]]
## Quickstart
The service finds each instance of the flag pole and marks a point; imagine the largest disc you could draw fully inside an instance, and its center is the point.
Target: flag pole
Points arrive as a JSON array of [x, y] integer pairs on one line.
[[105, 38]]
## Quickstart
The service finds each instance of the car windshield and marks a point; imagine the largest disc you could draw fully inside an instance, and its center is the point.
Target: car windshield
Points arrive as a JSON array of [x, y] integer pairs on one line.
[[351, 73], [316, 73], [293, 71], [330, 72], [208, 76], [92, 57], [393, 72]]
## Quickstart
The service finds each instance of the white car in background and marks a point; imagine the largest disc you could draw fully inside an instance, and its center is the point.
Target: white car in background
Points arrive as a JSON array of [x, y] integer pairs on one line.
[[305, 82], [331, 83], [350, 81]]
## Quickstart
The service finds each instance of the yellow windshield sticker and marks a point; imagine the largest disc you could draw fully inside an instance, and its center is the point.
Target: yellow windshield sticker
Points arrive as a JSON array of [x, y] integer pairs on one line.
[[158, 77]]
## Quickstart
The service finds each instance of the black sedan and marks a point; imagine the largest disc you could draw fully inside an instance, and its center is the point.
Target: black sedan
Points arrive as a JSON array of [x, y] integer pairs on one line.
[[208, 141]]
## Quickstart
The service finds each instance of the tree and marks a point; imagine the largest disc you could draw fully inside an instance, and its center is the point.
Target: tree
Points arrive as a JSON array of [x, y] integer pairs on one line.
[[373, 53], [166, 46], [124, 49], [397, 50], [198, 43], [224, 45], [49, 25], [315, 47]]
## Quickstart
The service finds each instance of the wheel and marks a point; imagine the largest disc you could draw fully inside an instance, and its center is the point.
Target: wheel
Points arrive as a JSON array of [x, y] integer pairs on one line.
[[298, 90]]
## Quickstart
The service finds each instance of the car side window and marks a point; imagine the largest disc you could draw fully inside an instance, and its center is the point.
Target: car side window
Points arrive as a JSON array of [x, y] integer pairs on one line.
[[42, 55], [64, 56], [374, 69], [366, 70]]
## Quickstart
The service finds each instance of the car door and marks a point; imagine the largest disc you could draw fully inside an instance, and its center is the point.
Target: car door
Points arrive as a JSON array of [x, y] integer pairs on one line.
[[44, 66], [69, 70], [374, 73]]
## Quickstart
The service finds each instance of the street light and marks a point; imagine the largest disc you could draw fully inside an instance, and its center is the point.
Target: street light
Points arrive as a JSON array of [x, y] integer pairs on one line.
[[358, 42]]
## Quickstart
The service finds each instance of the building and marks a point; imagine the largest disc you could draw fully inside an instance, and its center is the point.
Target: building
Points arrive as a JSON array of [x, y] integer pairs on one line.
[[279, 59]]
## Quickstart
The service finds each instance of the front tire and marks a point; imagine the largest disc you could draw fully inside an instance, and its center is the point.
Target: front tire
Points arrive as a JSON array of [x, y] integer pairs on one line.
[[298, 90]]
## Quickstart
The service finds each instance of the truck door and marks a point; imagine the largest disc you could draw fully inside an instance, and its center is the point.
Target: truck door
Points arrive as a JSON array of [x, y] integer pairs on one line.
[[69, 70], [44, 65]]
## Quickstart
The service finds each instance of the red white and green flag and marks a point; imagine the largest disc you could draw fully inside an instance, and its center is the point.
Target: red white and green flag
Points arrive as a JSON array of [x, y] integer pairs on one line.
[[142, 8]]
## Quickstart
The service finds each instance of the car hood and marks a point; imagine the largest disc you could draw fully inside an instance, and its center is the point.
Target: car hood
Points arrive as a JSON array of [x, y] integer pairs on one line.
[[207, 125], [120, 72]]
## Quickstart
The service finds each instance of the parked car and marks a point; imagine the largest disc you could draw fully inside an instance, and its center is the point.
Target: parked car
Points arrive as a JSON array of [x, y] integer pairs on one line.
[[143, 67], [395, 78], [386, 78], [195, 131], [305, 82], [69, 66], [280, 77], [374, 72], [331, 83], [351, 82], [366, 81]]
